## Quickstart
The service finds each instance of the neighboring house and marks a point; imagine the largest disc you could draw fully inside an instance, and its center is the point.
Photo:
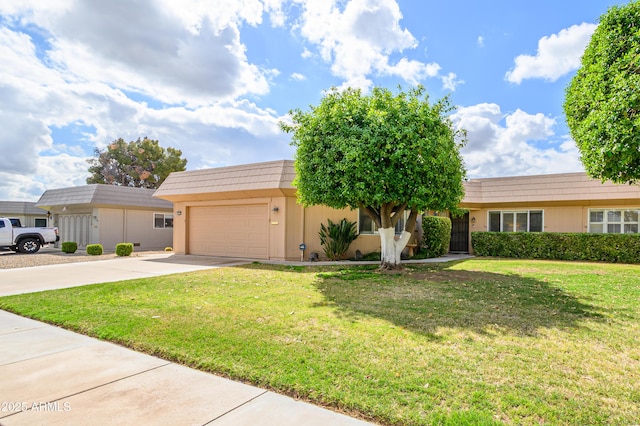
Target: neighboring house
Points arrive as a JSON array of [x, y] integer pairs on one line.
[[250, 211], [108, 215], [27, 212], [568, 202]]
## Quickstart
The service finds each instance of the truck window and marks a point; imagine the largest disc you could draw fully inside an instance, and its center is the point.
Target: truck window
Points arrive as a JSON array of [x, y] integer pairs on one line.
[[15, 222], [1, 224]]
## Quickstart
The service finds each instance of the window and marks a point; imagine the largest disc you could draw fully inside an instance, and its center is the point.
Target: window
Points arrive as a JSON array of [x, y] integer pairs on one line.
[[367, 226], [516, 221], [614, 221], [41, 223], [162, 220]]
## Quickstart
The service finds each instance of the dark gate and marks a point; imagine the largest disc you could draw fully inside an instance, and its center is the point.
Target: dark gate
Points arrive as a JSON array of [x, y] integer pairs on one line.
[[460, 234]]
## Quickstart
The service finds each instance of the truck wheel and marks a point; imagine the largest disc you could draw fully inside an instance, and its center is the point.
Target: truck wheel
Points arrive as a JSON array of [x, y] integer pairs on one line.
[[29, 246]]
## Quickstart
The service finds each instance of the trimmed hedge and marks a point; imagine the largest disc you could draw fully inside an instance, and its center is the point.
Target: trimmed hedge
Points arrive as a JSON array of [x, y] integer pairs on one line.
[[436, 235], [94, 249], [618, 248], [69, 247], [124, 249]]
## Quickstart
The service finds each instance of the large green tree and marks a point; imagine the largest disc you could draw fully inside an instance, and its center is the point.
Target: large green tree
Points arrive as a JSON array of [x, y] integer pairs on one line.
[[602, 102], [142, 163], [384, 153]]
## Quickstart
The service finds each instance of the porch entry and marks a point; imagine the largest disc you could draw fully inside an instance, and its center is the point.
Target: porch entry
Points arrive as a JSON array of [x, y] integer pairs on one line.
[[459, 234]]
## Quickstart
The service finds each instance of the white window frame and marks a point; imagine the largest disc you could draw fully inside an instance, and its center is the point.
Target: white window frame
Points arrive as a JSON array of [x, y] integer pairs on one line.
[[514, 213], [165, 216], [606, 220], [399, 225]]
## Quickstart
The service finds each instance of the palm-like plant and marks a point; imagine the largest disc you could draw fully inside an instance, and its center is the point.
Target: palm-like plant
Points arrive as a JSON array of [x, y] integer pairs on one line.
[[337, 237]]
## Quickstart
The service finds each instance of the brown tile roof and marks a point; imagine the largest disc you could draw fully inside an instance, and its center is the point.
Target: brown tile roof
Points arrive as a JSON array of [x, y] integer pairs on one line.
[[561, 188], [235, 181]]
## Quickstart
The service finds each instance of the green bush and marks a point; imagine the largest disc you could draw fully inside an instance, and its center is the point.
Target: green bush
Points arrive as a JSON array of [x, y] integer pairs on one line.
[[436, 235], [124, 249], [69, 247], [619, 248], [94, 249], [337, 237]]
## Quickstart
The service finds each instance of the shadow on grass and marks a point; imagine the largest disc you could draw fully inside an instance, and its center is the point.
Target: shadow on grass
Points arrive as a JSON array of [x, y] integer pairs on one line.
[[426, 298]]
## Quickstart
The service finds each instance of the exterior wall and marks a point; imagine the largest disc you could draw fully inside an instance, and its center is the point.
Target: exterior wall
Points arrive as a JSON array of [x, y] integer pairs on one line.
[[132, 226], [555, 219], [316, 215], [139, 230]]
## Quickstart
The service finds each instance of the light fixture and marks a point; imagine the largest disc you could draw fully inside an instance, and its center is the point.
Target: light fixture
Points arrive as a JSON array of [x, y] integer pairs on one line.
[[473, 220], [275, 209], [179, 212]]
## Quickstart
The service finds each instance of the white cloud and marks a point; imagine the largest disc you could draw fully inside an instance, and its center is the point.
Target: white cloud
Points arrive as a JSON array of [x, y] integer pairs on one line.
[[359, 40], [450, 82], [502, 144], [101, 74], [298, 77], [480, 41], [557, 55]]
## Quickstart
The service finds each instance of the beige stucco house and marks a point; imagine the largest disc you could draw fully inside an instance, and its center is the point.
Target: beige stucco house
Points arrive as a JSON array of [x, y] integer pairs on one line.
[[108, 215], [250, 211], [26, 211]]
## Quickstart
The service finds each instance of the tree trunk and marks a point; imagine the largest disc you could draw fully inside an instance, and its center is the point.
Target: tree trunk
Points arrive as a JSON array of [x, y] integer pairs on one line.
[[392, 248]]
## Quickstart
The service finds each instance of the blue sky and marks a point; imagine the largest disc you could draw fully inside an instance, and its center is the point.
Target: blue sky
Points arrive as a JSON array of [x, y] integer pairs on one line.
[[214, 78]]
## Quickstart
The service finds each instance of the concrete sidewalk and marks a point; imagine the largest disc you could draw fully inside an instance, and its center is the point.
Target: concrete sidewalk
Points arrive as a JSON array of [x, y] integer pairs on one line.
[[51, 376]]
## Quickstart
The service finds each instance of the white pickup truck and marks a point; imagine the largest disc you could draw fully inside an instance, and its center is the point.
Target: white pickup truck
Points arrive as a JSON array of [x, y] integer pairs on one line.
[[25, 240]]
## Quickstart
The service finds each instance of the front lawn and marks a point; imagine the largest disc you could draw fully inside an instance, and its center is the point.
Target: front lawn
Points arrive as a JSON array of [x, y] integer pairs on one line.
[[474, 342]]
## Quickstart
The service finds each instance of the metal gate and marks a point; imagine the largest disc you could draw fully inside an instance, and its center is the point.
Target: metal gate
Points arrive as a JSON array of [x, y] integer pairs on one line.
[[459, 234]]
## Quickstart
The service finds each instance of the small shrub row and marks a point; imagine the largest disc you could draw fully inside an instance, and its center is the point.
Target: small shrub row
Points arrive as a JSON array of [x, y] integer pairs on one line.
[[619, 248], [436, 235], [122, 249]]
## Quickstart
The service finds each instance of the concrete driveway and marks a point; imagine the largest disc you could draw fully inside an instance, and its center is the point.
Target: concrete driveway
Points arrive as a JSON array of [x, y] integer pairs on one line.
[[39, 278], [51, 376]]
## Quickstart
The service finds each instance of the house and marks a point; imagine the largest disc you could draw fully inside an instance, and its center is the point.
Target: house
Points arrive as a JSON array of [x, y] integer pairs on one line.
[[27, 212], [250, 211], [108, 215], [568, 202]]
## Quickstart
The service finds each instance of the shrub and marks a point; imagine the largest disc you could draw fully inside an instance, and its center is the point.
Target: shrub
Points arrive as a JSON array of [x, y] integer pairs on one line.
[[124, 249], [69, 247], [168, 249], [621, 248], [436, 235], [337, 237], [94, 249]]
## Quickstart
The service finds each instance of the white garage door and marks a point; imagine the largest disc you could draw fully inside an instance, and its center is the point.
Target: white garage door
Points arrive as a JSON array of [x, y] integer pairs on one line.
[[234, 231]]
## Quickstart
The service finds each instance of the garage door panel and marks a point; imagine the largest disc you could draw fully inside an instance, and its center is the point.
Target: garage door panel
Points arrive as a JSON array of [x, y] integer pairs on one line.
[[236, 231]]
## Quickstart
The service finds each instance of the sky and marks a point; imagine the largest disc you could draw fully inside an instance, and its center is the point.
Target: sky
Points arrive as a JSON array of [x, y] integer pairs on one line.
[[214, 78]]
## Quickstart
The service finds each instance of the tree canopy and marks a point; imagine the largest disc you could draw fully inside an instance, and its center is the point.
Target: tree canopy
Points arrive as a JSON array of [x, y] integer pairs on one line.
[[141, 163], [602, 102], [385, 153]]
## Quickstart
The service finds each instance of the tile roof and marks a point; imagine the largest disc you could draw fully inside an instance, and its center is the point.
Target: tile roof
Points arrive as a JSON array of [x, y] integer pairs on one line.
[[272, 175], [106, 195], [565, 187], [20, 208]]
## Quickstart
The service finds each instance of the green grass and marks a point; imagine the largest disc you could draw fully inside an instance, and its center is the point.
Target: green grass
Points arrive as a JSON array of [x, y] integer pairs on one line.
[[477, 342]]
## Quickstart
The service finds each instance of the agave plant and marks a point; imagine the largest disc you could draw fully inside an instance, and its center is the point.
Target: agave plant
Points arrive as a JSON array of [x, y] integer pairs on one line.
[[337, 237]]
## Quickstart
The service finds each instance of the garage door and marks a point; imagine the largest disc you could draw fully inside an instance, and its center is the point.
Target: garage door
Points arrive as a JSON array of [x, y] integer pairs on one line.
[[234, 231]]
